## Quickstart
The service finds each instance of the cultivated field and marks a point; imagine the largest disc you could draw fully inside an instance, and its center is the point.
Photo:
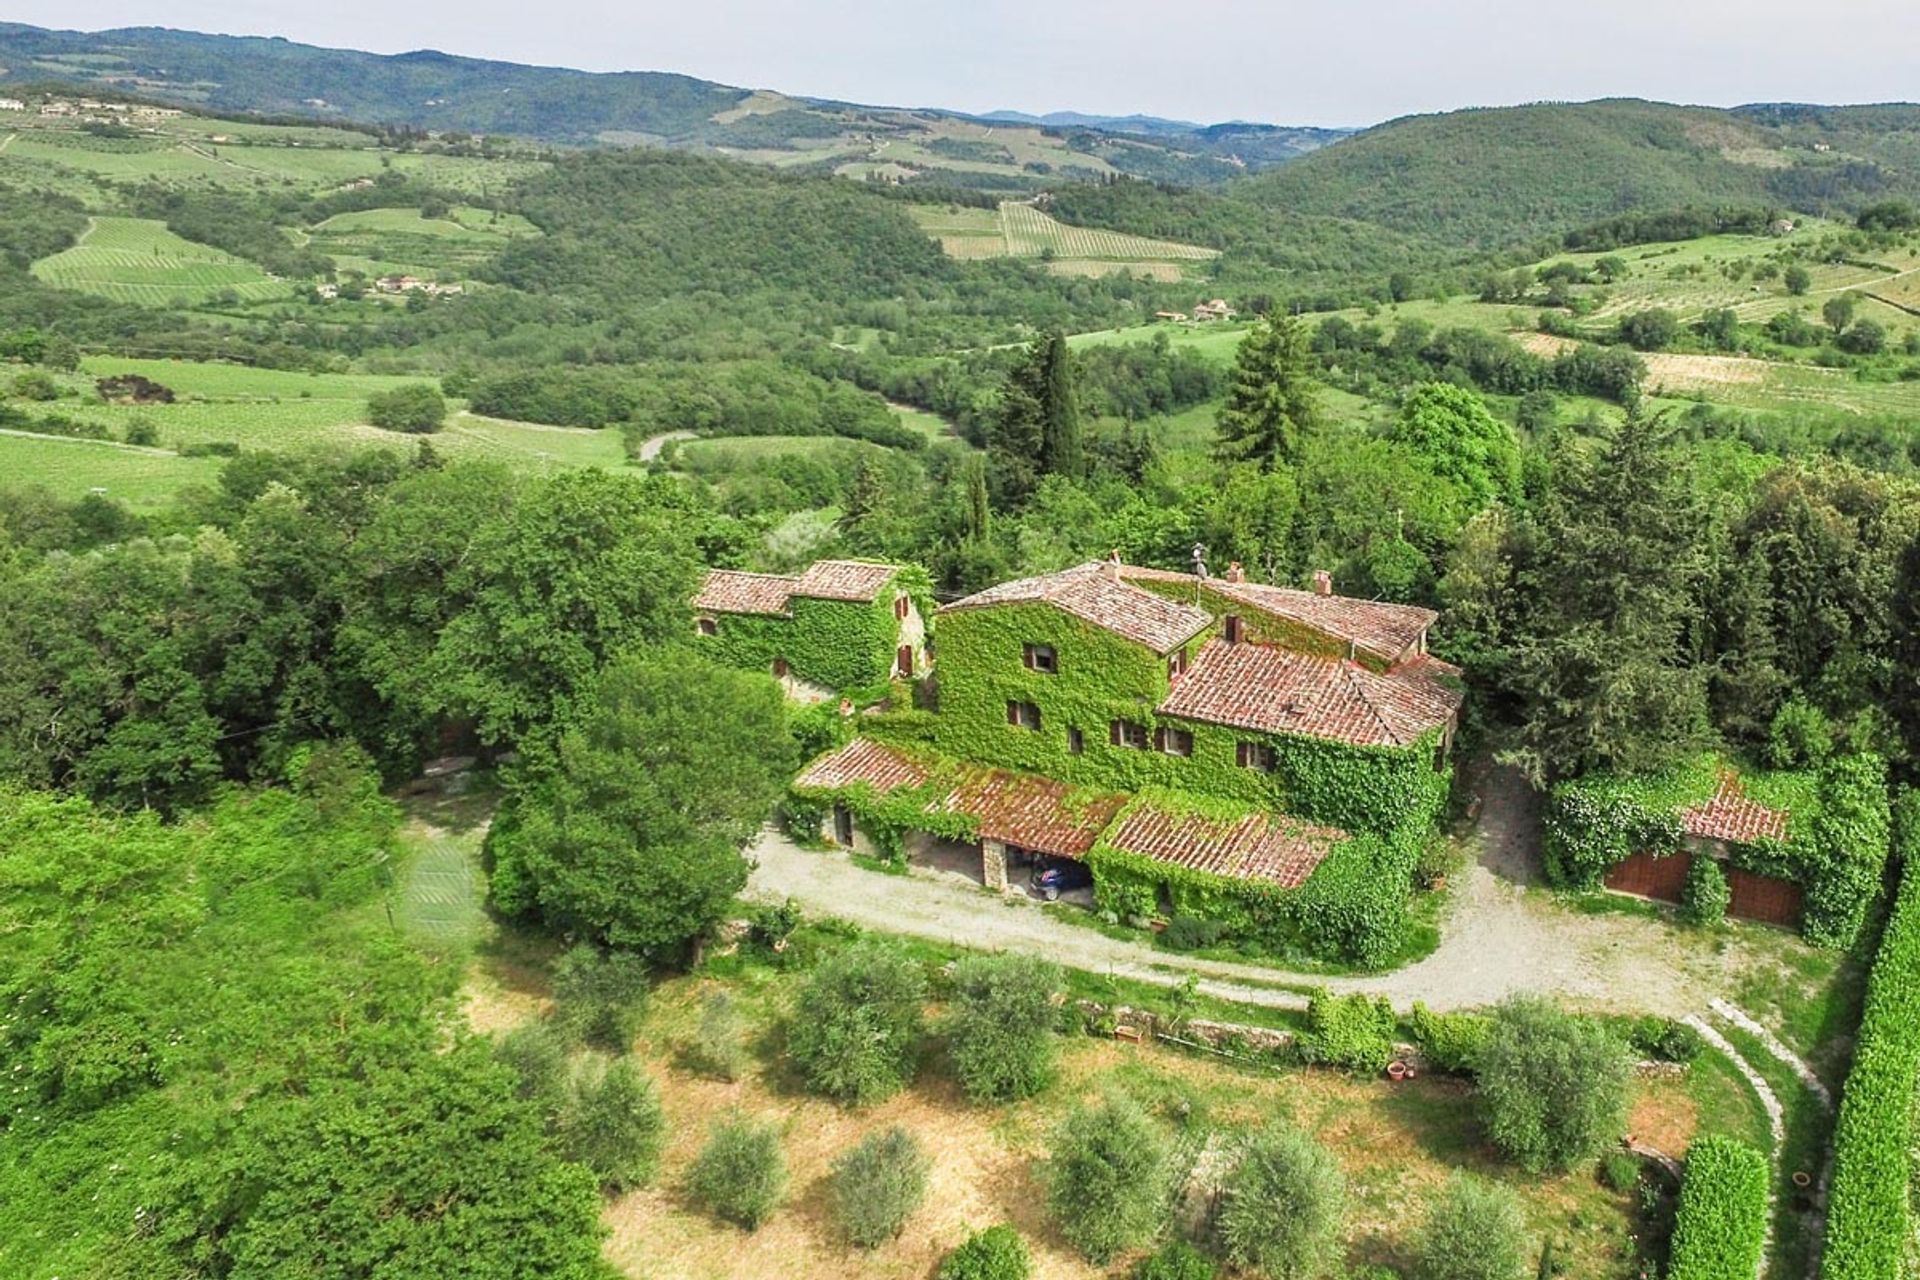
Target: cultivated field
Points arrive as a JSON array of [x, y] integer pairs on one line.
[[138, 260], [1020, 230], [404, 242]]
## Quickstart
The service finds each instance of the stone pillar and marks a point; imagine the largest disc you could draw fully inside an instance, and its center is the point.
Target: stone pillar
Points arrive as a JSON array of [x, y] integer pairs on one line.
[[993, 865]]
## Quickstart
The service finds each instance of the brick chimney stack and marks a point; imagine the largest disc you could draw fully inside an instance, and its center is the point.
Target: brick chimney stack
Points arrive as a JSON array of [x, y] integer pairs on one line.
[[1113, 566], [1322, 583], [1235, 573]]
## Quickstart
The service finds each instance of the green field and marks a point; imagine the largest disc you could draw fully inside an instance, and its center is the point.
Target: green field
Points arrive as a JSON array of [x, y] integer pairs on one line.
[[1021, 230], [71, 469], [138, 260], [403, 241]]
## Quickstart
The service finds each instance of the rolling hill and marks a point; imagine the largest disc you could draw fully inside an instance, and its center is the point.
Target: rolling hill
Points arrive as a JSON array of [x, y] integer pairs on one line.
[[1492, 177], [432, 90]]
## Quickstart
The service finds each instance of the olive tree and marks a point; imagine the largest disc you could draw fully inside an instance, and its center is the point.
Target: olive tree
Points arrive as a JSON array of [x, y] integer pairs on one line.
[[614, 1126], [878, 1185], [1474, 1231], [1553, 1085], [858, 1023], [1107, 1178], [1000, 1028], [741, 1174], [1280, 1216]]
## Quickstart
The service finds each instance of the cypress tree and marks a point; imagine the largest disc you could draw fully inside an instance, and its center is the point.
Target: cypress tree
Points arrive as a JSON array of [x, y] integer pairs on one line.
[[1271, 408], [1060, 448]]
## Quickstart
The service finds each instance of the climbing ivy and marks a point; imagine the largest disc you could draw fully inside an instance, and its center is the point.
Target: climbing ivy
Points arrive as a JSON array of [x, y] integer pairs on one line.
[[1102, 678], [1260, 625], [837, 643], [1835, 845]]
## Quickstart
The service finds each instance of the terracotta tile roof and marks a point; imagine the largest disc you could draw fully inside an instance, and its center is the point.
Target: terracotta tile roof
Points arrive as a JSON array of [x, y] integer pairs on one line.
[[1273, 690], [1382, 629], [1087, 592], [731, 591], [1734, 816], [1018, 808], [859, 580], [1281, 850]]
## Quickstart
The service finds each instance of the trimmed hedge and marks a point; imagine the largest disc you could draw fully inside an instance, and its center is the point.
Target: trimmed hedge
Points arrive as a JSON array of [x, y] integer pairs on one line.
[[1867, 1215], [1720, 1229]]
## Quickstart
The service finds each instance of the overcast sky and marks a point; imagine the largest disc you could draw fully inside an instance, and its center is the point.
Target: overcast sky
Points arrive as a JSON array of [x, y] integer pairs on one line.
[[1208, 60]]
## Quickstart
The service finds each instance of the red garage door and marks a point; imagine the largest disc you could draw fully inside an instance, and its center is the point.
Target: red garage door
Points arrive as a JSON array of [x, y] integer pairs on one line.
[[1763, 898], [1646, 876]]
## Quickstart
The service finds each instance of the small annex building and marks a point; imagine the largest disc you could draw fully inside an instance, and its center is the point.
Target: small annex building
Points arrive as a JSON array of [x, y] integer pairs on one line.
[[837, 625], [1175, 730]]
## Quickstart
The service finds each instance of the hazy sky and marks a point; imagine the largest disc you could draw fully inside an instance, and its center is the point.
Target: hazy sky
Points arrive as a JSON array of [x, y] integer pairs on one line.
[[1205, 60]]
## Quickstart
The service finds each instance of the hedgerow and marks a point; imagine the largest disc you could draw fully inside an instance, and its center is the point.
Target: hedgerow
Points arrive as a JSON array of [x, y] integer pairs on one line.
[[1720, 1228], [1868, 1210], [1834, 847], [1353, 1031]]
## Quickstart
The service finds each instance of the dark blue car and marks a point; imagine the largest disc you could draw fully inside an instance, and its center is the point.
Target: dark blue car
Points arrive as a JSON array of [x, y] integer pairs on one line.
[[1055, 876]]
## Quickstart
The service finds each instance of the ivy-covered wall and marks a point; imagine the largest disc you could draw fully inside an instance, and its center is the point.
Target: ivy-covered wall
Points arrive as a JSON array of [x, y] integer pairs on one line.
[[1260, 626], [1102, 678], [1836, 843], [837, 643]]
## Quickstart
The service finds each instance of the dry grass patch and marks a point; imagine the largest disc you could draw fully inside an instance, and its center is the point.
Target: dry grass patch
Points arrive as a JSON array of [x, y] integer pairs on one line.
[[1669, 372]]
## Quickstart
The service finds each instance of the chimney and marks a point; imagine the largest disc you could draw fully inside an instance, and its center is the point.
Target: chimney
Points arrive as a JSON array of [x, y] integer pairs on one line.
[[1235, 573], [1322, 583], [1113, 566]]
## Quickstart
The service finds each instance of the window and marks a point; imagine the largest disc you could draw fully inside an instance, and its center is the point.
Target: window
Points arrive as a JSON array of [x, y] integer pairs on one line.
[[1173, 742], [1254, 755], [780, 668], [1234, 628], [1076, 741], [1040, 657], [709, 627], [1024, 714], [1177, 664], [1125, 733], [900, 606]]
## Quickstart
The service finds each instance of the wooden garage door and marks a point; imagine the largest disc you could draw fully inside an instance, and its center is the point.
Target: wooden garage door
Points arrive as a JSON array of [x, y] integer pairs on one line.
[[1646, 876], [1763, 898]]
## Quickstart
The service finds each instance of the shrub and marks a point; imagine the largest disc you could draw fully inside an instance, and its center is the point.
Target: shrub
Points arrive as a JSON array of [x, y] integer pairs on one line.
[[141, 431], [1474, 1231], [1450, 1041], [35, 384], [716, 1046], [878, 1185], [1107, 1179], [1280, 1216], [741, 1174], [1620, 1170], [537, 1052], [857, 1025], [1176, 1260], [600, 995], [1720, 1228], [416, 407], [1000, 1030], [998, 1253], [1868, 1212], [1667, 1039], [1353, 1032], [614, 1126], [1704, 899], [1553, 1085], [1193, 933]]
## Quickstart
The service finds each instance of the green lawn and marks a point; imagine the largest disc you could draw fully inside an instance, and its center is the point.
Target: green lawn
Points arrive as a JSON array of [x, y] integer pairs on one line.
[[71, 469]]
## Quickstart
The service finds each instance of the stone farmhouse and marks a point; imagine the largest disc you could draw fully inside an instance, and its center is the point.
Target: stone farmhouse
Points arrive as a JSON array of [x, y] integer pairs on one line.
[[1177, 734], [839, 625]]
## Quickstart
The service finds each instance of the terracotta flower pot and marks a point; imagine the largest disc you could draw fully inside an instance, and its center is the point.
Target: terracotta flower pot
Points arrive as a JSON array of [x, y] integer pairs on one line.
[[1397, 1070], [1802, 1179]]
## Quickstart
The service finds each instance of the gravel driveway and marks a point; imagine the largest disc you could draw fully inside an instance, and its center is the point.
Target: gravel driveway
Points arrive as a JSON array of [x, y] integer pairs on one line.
[[1501, 936]]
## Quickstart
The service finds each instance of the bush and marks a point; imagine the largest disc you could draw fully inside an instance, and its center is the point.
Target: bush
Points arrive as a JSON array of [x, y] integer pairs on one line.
[[1704, 899], [1720, 1228], [1553, 1085], [1000, 1028], [537, 1052], [1620, 1171], [141, 431], [1451, 1042], [614, 1126], [878, 1185], [998, 1253], [741, 1174], [35, 385], [1282, 1208], [1192, 933], [1353, 1032], [416, 407], [857, 1025], [1667, 1039], [1868, 1211], [717, 1046], [1107, 1179], [1474, 1231], [1176, 1260], [600, 995]]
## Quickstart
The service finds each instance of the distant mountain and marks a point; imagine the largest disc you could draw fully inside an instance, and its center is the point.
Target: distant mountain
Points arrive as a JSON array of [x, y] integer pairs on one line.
[[1497, 176], [439, 91]]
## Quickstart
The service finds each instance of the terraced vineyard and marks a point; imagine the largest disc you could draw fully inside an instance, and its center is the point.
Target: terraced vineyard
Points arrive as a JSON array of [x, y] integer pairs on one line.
[[1030, 232], [402, 241], [138, 260]]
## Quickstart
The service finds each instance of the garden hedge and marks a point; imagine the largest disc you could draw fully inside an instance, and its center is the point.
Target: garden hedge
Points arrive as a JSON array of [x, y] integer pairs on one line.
[[1868, 1210], [1720, 1228]]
